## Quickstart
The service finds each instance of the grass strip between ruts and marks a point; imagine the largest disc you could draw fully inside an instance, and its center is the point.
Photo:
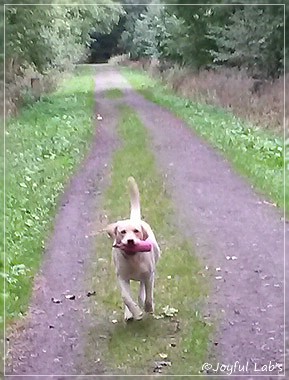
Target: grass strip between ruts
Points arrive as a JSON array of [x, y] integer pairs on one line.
[[180, 284]]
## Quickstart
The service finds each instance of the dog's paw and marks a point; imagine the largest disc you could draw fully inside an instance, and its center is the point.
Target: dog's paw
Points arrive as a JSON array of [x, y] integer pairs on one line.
[[127, 315], [149, 308], [137, 314], [128, 319]]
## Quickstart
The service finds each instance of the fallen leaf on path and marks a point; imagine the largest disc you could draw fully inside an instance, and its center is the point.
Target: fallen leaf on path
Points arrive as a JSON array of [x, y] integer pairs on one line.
[[55, 300], [158, 316], [169, 311], [70, 297], [89, 294], [269, 203], [231, 257], [159, 365]]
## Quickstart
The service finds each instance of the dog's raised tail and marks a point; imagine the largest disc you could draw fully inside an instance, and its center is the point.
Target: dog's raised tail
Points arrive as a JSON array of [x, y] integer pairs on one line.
[[134, 199]]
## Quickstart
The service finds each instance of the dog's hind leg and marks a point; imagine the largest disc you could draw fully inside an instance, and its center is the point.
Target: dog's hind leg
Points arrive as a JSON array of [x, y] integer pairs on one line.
[[141, 294], [149, 291]]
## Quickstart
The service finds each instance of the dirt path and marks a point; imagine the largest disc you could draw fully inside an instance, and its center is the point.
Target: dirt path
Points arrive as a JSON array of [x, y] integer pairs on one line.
[[49, 342], [217, 209], [234, 230], [225, 218]]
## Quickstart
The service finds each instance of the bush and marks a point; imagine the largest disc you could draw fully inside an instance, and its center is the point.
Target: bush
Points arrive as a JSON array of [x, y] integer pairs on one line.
[[119, 59]]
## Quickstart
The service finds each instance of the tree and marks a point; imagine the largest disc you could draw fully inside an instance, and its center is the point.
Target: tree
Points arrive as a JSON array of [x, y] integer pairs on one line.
[[204, 35], [54, 35], [251, 39], [132, 14]]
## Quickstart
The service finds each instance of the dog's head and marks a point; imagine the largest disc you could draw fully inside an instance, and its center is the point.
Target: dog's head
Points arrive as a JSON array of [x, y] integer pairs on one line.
[[127, 232]]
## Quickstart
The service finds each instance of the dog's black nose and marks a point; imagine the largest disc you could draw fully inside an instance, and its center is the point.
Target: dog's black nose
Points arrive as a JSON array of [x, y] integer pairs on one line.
[[130, 241]]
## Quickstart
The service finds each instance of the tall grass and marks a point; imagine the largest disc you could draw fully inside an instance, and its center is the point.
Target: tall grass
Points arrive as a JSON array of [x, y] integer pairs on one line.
[[258, 102]]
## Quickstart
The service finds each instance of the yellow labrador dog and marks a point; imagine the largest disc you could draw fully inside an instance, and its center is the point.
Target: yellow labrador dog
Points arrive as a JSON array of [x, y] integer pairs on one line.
[[135, 254]]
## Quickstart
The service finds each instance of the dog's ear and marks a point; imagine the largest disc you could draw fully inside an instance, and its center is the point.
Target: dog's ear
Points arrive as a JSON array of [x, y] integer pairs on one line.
[[111, 230], [144, 233]]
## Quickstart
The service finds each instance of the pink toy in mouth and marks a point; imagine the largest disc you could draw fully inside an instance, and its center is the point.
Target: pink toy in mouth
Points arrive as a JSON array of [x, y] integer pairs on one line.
[[142, 246]]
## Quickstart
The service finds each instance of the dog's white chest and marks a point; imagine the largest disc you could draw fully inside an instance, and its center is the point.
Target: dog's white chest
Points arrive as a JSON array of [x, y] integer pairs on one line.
[[136, 267]]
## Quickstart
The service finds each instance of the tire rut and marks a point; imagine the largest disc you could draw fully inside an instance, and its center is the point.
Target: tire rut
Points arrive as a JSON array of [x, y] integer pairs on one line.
[[49, 339], [238, 235]]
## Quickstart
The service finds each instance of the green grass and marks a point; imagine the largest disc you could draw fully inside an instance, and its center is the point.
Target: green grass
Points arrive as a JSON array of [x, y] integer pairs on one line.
[[113, 93], [1, 253], [254, 153], [133, 348], [44, 145]]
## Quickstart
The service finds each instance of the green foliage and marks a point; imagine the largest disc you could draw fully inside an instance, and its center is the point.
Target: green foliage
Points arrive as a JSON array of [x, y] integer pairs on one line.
[[54, 35], [2, 274], [201, 36], [43, 146], [145, 37], [158, 34], [133, 13], [252, 39]]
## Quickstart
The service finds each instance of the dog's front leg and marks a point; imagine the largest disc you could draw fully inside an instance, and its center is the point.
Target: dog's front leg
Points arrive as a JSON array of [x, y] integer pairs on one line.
[[132, 307], [149, 290]]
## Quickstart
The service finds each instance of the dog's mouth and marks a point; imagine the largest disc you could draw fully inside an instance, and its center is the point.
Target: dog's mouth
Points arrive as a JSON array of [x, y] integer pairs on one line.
[[131, 248], [124, 245], [128, 248]]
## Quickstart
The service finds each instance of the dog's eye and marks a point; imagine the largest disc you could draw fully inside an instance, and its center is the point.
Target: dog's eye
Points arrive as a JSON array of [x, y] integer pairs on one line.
[[135, 231], [123, 232]]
